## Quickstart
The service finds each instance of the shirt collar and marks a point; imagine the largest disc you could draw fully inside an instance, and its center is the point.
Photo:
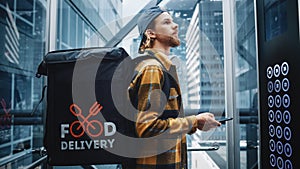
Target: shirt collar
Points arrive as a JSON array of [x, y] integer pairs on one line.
[[161, 57]]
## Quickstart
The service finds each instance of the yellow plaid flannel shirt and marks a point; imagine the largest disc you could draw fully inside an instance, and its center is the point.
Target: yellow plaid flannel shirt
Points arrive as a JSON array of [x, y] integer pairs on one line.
[[170, 125]]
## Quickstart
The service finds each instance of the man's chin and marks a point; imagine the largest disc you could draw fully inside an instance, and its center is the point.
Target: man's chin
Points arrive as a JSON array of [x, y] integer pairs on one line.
[[174, 42], [170, 40]]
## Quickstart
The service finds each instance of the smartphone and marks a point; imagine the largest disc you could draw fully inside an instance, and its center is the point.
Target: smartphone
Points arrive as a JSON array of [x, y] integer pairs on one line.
[[222, 120]]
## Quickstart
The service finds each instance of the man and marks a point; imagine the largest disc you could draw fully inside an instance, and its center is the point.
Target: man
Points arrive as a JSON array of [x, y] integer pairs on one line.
[[167, 126]]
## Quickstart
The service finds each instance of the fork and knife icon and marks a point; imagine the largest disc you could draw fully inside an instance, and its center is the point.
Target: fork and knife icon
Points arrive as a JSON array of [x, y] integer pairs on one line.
[[93, 128]]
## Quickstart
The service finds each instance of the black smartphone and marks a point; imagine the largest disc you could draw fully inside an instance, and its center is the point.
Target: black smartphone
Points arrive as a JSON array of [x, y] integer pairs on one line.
[[222, 120]]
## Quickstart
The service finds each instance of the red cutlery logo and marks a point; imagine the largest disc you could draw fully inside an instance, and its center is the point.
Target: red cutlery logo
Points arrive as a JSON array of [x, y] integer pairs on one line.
[[93, 128]]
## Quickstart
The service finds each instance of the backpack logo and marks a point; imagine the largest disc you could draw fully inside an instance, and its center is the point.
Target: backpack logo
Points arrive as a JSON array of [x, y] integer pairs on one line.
[[93, 128]]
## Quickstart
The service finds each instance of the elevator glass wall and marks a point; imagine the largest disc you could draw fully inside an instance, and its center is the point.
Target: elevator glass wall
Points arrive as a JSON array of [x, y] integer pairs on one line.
[[31, 28]]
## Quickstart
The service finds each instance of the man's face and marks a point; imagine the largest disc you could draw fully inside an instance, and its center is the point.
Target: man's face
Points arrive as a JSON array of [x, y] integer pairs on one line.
[[166, 31]]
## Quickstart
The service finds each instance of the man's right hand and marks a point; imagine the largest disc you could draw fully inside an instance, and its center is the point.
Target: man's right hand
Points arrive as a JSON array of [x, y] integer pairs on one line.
[[206, 121]]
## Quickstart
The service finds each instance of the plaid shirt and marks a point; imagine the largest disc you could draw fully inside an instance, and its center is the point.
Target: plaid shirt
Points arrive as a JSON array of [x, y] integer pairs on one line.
[[166, 127]]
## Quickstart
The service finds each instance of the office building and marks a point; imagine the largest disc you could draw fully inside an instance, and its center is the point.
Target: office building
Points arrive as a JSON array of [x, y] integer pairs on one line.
[[205, 57]]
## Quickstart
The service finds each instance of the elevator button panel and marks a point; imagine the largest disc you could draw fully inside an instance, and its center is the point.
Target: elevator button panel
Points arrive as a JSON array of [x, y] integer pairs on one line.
[[279, 116]]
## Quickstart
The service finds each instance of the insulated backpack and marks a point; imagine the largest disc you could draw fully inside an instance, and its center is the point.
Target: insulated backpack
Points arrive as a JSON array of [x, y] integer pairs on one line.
[[87, 105]]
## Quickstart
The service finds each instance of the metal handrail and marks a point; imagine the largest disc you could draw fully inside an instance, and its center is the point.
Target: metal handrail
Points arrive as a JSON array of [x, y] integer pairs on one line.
[[9, 159], [41, 151], [205, 148], [246, 116]]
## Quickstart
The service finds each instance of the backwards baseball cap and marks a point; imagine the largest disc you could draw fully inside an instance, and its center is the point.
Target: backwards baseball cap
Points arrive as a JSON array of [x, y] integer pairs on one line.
[[146, 18]]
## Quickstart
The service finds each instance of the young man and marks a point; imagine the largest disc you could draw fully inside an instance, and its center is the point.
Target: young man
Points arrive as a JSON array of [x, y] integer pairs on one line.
[[159, 118]]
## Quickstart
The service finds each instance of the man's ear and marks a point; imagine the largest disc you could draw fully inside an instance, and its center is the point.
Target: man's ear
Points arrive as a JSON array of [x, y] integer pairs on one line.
[[150, 33]]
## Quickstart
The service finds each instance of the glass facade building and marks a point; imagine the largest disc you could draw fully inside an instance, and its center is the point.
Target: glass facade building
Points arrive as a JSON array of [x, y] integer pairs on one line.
[[32, 28], [22, 27], [29, 29], [205, 57]]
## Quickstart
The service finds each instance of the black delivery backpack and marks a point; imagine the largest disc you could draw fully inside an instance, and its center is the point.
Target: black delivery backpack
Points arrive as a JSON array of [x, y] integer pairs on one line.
[[88, 120]]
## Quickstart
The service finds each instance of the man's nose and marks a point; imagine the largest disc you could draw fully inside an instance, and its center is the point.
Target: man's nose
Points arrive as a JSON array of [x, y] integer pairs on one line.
[[175, 25]]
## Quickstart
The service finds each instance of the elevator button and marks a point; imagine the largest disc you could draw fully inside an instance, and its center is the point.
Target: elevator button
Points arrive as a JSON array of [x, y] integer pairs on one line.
[[279, 147], [278, 116], [277, 101], [278, 131], [271, 130], [280, 163], [272, 160], [272, 145], [270, 87], [271, 116], [269, 72], [288, 150], [286, 100], [270, 101], [285, 84], [287, 133], [276, 70], [277, 85], [288, 164], [286, 117], [285, 68]]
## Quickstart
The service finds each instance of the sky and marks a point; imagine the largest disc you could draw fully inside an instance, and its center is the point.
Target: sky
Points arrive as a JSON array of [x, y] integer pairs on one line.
[[131, 7]]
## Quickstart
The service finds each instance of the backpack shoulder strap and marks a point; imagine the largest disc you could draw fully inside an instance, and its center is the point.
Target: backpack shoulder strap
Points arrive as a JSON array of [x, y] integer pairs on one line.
[[145, 60]]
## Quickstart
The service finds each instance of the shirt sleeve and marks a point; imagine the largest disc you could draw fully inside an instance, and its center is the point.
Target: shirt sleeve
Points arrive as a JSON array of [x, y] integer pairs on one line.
[[151, 105]]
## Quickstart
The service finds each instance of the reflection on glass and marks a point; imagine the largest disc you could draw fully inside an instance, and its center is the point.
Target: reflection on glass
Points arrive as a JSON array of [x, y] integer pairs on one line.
[[22, 26], [246, 84], [275, 18]]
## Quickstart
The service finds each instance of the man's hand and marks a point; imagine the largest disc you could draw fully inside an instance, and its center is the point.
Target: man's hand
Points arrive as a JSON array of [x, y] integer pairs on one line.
[[206, 121]]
